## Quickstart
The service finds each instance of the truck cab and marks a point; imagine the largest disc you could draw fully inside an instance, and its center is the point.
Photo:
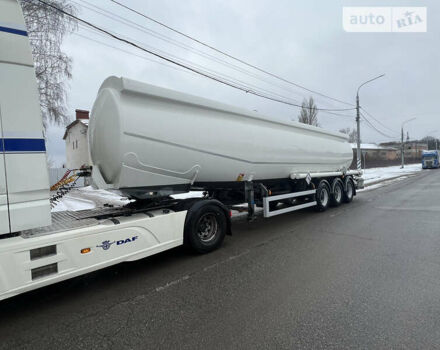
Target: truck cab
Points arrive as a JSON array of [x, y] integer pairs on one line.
[[24, 181], [430, 159]]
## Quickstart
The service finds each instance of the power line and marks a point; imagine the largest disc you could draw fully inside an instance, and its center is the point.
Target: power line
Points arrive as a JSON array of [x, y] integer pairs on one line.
[[376, 129], [165, 64], [206, 70], [160, 36], [378, 121], [180, 64], [340, 114], [133, 54], [228, 55], [203, 69]]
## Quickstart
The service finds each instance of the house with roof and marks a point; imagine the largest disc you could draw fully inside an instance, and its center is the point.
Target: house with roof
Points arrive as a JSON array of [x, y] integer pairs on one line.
[[413, 149], [375, 155], [379, 152], [77, 146]]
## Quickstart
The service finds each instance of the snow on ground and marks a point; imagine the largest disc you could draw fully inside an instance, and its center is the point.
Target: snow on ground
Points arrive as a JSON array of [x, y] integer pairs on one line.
[[89, 198], [376, 175]]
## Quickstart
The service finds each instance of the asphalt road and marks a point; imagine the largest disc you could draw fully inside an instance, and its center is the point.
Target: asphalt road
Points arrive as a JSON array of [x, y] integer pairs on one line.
[[363, 275]]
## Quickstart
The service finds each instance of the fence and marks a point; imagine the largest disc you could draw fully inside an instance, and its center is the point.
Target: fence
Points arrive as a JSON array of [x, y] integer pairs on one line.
[[377, 163]]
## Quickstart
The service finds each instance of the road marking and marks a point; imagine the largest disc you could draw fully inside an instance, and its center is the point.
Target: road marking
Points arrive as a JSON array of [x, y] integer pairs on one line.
[[186, 277], [349, 235], [232, 257], [172, 283], [336, 214]]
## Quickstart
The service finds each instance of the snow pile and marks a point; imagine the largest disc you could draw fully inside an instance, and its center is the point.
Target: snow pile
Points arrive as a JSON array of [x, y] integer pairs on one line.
[[376, 175]]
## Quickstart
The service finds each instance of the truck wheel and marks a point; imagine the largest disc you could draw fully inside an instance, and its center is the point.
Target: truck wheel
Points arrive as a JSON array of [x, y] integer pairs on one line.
[[322, 196], [349, 191], [337, 193], [206, 229]]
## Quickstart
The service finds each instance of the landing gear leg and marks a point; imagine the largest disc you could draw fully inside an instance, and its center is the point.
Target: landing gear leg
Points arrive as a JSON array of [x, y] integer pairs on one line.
[[250, 199]]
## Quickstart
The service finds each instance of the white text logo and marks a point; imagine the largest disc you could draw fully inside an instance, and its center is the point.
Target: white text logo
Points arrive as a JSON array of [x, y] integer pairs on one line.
[[384, 19]]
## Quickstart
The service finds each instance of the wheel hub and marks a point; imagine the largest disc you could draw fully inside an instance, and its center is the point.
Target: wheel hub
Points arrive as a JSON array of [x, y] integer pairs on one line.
[[349, 190], [323, 197], [207, 227], [338, 193]]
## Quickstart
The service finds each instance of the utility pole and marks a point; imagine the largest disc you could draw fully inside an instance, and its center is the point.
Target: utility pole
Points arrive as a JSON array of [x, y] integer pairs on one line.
[[402, 151], [358, 124], [358, 138]]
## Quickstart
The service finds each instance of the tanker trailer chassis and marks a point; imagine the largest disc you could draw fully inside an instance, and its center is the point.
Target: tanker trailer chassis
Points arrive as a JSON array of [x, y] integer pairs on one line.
[[319, 190]]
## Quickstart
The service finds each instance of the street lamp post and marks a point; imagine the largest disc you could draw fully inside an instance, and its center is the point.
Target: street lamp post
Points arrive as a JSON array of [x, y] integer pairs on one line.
[[358, 123], [402, 148]]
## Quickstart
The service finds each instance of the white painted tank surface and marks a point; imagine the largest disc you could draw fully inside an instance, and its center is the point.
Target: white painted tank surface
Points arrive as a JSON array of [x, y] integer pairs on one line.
[[148, 141]]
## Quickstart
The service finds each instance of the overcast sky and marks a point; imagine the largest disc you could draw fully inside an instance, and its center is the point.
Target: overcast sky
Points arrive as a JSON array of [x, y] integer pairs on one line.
[[302, 41]]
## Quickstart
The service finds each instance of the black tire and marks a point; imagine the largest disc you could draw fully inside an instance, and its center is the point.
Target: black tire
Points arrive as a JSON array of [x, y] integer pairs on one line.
[[322, 196], [206, 229], [348, 191], [337, 192]]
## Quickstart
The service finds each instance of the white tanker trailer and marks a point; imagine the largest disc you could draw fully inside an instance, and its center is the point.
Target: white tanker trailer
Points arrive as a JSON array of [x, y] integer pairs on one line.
[[148, 141]]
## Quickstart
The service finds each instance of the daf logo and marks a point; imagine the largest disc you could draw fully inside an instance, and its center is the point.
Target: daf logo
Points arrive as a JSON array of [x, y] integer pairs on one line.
[[106, 245]]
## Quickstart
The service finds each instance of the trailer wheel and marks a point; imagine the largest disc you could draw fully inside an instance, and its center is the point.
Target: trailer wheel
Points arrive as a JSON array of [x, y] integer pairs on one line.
[[349, 191], [322, 196], [206, 229], [337, 192]]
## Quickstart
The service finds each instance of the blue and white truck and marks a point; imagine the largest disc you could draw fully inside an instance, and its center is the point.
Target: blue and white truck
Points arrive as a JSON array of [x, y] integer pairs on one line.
[[430, 159]]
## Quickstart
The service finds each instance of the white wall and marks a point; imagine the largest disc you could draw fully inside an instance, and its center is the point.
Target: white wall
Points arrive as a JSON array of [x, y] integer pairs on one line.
[[77, 147]]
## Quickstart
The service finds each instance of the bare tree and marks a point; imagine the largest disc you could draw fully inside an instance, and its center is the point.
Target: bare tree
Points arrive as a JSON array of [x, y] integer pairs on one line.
[[431, 141], [46, 28], [352, 134], [309, 112]]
